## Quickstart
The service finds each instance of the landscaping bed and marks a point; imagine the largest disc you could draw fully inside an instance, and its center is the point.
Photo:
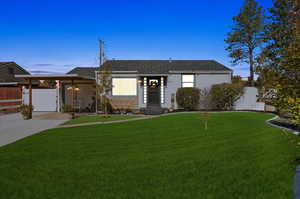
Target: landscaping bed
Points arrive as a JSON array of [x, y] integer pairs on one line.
[[283, 122], [171, 156]]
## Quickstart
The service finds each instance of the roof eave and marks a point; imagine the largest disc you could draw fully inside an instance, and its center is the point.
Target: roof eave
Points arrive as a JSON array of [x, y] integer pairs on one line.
[[202, 71], [55, 77]]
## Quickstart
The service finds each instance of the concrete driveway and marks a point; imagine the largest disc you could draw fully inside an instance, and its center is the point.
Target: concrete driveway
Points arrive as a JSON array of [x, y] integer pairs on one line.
[[13, 127]]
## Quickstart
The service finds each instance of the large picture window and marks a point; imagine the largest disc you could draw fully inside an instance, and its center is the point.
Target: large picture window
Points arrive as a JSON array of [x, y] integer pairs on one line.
[[188, 81], [124, 87]]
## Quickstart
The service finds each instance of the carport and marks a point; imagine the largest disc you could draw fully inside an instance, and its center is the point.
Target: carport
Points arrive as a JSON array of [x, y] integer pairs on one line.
[[72, 79]]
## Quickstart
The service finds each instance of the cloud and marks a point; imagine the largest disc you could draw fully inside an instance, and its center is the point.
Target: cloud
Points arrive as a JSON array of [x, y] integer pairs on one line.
[[43, 65], [44, 72], [69, 65]]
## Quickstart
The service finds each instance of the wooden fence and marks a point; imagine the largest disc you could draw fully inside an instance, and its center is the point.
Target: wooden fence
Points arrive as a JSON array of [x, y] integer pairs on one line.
[[10, 98]]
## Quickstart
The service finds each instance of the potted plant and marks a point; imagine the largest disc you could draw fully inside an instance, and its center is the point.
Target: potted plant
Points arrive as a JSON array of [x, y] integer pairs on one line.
[[25, 110]]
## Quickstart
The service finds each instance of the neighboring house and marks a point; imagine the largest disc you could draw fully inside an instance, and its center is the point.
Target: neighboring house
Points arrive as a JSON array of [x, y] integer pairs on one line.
[[10, 86], [149, 85]]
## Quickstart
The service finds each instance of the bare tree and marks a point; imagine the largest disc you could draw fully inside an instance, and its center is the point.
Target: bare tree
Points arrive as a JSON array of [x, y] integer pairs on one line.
[[205, 106], [104, 86]]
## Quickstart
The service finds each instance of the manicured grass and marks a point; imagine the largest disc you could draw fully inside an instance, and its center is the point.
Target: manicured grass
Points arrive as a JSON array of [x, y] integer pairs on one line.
[[238, 157], [99, 118]]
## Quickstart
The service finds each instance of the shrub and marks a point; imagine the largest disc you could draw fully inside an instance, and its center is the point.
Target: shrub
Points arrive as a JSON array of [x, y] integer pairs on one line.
[[188, 98], [66, 108], [25, 110], [223, 96]]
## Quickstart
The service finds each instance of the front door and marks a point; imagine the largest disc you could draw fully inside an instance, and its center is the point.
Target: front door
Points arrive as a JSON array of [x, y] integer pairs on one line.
[[153, 91]]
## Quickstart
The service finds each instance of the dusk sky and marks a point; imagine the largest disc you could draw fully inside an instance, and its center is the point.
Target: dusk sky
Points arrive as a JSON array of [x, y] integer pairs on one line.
[[57, 35]]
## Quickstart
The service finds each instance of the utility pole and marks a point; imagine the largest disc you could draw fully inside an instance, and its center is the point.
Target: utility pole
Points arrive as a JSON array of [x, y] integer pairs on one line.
[[101, 55]]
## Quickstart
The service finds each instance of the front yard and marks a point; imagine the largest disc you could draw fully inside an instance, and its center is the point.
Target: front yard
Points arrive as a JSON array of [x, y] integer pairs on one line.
[[239, 156]]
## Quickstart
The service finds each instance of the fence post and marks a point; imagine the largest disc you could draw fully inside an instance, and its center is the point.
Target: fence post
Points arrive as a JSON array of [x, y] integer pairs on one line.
[[30, 99]]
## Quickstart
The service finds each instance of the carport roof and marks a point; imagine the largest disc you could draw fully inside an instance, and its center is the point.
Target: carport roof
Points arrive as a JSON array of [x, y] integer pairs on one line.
[[54, 77]]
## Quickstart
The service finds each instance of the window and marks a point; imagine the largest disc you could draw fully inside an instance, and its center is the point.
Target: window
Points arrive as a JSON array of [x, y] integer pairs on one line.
[[188, 81], [124, 86]]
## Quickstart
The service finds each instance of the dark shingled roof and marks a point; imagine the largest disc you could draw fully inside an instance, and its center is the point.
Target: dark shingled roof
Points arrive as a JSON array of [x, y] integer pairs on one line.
[[165, 66], [84, 71], [155, 66], [8, 70]]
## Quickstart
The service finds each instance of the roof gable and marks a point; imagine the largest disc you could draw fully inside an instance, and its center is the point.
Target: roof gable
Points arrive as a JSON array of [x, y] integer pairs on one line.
[[8, 70]]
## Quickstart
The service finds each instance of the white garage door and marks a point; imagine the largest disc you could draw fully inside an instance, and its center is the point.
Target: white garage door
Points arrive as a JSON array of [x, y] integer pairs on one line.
[[42, 99]]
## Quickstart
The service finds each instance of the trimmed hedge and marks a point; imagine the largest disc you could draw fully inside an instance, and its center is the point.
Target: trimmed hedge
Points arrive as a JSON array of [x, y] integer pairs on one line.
[[188, 98], [223, 96]]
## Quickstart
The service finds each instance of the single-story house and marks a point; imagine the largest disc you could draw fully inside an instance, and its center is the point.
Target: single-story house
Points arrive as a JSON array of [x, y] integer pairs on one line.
[[148, 85]]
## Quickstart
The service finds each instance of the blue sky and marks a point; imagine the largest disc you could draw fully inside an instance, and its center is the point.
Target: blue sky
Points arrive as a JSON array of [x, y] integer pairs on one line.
[[59, 35]]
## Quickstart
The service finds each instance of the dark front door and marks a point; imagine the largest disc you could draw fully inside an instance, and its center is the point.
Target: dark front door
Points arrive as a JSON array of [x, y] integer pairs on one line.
[[154, 91]]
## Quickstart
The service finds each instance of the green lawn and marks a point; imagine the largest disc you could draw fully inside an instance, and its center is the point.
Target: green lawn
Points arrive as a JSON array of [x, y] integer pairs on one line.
[[238, 157], [99, 118]]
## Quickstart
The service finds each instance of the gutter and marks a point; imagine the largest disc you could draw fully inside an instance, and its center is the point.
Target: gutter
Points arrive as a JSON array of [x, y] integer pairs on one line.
[[9, 83], [201, 71], [53, 76]]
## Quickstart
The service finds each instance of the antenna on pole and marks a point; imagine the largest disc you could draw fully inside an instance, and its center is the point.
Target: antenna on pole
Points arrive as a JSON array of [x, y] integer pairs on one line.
[[101, 53]]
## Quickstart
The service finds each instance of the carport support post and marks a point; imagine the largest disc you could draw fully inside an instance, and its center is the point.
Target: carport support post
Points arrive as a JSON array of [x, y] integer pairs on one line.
[[30, 99], [73, 101]]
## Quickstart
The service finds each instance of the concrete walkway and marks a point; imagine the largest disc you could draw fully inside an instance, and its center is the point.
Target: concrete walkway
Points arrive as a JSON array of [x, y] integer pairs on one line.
[[109, 122], [13, 127]]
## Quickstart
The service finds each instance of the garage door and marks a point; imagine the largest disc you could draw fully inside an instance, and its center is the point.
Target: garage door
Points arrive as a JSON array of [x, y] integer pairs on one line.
[[42, 99]]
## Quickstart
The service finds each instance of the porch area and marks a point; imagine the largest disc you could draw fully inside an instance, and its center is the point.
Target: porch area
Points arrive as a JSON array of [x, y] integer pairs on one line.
[[153, 94], [73, 93]]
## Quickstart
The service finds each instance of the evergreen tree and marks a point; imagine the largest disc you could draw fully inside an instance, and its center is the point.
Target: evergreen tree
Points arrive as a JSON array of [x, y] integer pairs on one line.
[[245, 38], [282, 55], [278, 34]]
